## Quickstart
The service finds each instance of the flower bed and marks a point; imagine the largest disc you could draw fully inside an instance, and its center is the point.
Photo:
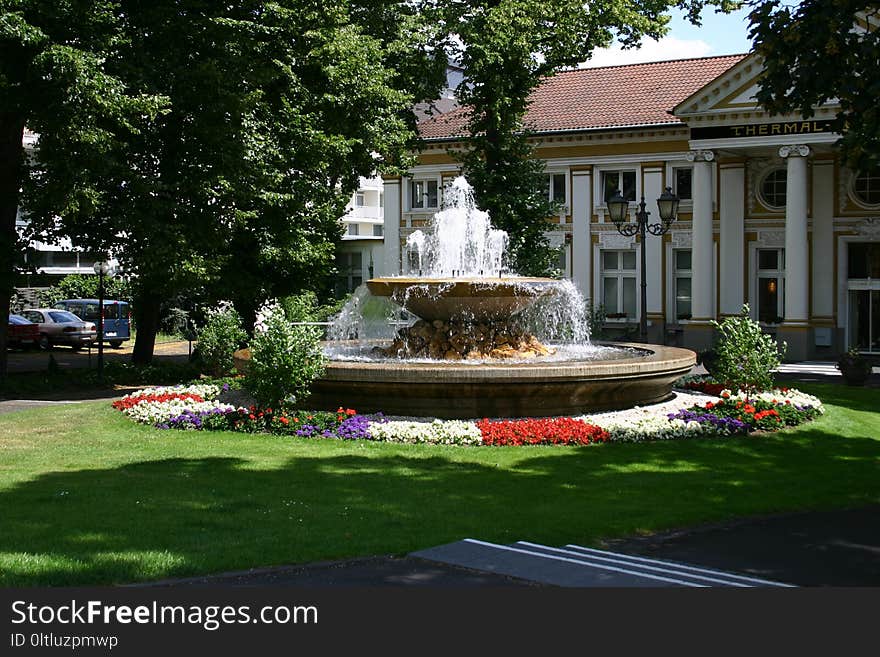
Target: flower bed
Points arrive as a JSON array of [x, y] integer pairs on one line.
[[198, 408]]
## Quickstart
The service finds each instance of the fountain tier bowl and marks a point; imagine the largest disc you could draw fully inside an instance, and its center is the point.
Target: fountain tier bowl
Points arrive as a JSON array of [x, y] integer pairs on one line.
[[533, 389], [472, 298]]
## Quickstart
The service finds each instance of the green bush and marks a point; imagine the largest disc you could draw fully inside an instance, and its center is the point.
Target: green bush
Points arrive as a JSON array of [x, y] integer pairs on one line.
[[305, 307], [218, 339], [745, 356], [85, 286], [285, 359]]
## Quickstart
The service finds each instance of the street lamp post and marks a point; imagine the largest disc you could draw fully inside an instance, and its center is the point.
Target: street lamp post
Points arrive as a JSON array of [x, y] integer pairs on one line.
[[618, 208], [102, 269]]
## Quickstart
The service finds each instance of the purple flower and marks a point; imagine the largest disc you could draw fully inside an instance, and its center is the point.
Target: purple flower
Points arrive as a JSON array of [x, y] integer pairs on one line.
[[356, 427]]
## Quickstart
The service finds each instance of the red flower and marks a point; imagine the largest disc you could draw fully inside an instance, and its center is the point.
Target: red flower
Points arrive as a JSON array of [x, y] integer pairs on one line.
[[544, 431], [284, 420], [709, 405]]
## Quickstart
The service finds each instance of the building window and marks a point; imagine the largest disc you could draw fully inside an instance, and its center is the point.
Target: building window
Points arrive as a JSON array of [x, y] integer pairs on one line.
[[622, 181], [378, 230], [360, 199], [353, 229], [771, 285], [619, 284], [773, 189], [682, 179], [681, 276], [866, 187], [349, 268], [554, 185], [423, 194]]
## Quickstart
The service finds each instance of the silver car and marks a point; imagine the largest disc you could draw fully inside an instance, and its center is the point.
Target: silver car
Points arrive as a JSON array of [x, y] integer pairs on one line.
[[61, 327]]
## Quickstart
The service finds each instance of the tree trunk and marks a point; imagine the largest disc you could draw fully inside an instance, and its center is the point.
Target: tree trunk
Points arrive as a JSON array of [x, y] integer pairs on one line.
[[11, 154], [146, 309]]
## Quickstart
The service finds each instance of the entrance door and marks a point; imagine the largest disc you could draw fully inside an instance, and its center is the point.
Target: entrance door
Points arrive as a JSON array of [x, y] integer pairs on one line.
[[864, 320], [864, 296]]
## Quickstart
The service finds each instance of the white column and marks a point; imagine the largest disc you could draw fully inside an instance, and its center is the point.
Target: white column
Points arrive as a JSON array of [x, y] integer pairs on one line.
[[581, 213], [823, 239], [731, 214], [652, 189], [796, 253], [703, 278], [392, 215]]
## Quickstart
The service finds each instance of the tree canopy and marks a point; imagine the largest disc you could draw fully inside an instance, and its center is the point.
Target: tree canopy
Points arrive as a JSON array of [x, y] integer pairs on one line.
[[53, 81], [274, 110], [506, 48], [820, 51]]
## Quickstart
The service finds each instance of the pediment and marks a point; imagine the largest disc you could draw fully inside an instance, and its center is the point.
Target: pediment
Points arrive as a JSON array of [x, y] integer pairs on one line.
[[732, 91]]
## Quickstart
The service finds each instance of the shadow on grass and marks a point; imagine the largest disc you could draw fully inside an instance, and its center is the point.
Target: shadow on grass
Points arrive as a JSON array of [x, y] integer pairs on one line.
[[852, 397], [179, 517]]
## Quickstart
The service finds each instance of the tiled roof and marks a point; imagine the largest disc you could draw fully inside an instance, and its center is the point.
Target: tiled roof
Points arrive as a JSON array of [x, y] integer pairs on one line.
[[606, 97]]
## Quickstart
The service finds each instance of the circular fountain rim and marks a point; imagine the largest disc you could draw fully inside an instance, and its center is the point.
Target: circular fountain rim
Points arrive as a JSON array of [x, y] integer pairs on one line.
[[656, 359], [467, 286]]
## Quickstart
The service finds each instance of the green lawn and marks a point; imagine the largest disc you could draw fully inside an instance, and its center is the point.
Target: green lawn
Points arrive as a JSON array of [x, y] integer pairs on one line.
[[86, 497]]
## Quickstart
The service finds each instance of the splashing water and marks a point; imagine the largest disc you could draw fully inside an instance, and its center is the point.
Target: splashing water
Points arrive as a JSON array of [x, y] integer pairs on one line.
[[460, 240], [460, 243]]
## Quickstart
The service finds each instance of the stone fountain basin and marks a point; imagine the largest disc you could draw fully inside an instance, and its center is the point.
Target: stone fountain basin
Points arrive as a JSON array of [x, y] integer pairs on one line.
[[533, 389], [477, 299]]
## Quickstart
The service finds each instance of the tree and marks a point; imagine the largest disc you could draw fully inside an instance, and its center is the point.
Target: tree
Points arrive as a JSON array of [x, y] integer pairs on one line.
[[274, 111], [53, 81], [821, 51], [507, 47]]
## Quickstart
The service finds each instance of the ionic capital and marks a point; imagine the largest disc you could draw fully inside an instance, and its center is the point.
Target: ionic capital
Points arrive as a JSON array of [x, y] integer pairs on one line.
[[795, 150], [700, 156]]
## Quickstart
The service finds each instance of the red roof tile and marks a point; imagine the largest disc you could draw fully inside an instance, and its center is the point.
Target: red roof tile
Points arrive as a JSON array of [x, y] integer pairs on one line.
[[606, 97]]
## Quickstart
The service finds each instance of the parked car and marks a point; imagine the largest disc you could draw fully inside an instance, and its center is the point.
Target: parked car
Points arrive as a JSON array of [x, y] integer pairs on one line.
[[22, 333], [60, 327], [117, 317]]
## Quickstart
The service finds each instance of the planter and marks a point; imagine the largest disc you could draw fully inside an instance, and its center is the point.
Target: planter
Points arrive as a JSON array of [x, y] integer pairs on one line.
[[855, 375], [708, 359]]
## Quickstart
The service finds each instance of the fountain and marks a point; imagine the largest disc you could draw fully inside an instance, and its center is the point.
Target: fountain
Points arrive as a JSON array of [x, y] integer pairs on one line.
[[480, 341]]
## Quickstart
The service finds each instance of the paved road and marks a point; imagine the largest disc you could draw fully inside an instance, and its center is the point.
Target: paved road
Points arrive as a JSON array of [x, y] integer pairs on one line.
[[66, 358]]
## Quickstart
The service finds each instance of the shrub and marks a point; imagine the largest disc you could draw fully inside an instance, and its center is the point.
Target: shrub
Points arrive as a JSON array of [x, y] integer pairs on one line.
[[285, 359], [745, 355], [219, 338], [85, 286], [305, 307]]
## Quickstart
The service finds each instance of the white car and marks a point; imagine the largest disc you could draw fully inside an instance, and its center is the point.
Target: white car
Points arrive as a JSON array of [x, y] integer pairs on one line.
[[61, 327]]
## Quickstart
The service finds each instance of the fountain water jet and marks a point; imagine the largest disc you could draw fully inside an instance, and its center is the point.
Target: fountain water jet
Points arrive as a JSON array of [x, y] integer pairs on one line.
[[486, 343]]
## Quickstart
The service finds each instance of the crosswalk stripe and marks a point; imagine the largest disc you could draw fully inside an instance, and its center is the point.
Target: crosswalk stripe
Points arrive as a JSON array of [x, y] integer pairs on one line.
[[721, 578], [674, 565], [585, 563]]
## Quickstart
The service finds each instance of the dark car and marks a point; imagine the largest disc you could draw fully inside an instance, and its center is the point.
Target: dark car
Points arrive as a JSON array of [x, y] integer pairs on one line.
[[61, 327], [22, 333]]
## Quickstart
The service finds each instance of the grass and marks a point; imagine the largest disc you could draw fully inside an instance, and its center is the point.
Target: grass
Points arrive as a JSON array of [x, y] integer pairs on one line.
[[86, 497]]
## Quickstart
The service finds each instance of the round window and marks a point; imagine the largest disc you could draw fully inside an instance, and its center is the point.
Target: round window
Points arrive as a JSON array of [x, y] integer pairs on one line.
[[866, 187], [773, 189]]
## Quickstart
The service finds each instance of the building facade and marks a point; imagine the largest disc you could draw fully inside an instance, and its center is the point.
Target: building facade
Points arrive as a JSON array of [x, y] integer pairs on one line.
[[769, 215], [361, 254]]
